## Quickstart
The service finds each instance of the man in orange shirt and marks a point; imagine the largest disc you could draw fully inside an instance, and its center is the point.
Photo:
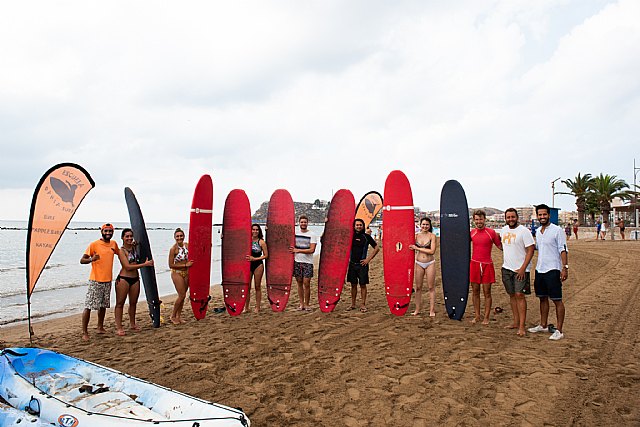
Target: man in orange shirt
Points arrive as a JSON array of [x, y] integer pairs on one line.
[[100, 255]]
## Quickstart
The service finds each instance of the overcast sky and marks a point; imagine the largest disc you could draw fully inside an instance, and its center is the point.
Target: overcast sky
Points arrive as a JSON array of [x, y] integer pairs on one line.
[[504, 96]]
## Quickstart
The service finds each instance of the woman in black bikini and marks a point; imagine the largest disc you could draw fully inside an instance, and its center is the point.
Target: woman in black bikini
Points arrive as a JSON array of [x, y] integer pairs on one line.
[[128, 281], [259, 252]]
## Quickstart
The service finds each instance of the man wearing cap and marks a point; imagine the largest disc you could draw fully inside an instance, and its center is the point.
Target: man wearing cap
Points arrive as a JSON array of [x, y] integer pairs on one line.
[[100, 255]]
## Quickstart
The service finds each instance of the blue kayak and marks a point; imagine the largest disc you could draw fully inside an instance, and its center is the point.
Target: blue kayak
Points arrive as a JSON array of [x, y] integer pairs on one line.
[[70, 392]]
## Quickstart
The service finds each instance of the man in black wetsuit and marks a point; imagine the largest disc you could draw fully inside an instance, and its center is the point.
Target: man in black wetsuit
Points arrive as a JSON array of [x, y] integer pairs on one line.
[[359, 264]]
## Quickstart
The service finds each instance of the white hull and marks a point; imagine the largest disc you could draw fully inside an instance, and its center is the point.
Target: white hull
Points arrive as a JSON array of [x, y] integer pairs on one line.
[[72, 392]]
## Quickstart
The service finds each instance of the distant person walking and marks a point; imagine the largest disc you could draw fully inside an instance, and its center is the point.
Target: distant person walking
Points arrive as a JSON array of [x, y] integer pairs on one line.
[[481, 270], [518, 247], [100, 255], [598, 228], [425, 249], [575, 228], [567, 231], [603, 231], [621, 225], [359, 260], [552, 269], [128, 280], [305, 246]]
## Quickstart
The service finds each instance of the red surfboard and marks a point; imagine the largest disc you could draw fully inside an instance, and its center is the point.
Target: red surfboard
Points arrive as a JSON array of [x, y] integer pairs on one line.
[[336, 244], [281, 235], [399, 233], [236, 245], [200, 246]]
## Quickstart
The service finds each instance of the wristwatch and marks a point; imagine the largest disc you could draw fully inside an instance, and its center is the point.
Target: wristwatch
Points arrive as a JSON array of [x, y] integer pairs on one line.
[[566, 266]]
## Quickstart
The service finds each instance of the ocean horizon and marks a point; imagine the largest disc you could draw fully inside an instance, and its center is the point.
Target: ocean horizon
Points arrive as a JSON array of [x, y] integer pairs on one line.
[[61, 288]]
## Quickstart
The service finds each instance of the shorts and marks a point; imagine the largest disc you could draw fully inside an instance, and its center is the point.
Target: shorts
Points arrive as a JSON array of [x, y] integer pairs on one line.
[[548, 285], [358, 273], [482, 272], [302, 270], [98, 295], [514, 286]]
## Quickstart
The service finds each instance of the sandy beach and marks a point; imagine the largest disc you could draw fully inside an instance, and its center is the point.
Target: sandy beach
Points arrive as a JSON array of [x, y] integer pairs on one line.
[[374, 369]]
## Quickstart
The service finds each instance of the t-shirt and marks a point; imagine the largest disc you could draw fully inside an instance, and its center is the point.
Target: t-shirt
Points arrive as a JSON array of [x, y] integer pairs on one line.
[[102, 269], [514, 244], [304, 241], [483, 239], [360, 246], [550, 245]]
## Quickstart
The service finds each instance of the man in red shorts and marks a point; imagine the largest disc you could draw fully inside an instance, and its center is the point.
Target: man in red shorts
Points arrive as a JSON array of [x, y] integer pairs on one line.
[[481, 270]]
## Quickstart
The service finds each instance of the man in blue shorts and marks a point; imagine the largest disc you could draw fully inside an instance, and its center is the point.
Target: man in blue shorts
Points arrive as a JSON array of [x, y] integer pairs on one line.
[[359, 263], [552, 268], [306, 242]]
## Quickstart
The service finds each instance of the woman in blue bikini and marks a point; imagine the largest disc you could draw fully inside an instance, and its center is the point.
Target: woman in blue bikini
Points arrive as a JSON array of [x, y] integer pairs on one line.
[[128, 281], [425, 249]]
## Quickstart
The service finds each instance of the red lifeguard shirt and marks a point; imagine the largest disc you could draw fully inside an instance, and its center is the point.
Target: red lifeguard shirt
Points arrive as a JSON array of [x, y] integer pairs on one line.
[[482, 240]]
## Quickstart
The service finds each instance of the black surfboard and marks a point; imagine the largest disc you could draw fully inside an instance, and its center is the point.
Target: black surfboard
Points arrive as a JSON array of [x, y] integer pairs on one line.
[[455, 248], [148, 273]]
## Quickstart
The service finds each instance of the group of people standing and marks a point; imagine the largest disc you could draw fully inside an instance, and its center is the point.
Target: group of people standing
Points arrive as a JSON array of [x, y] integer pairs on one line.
[[518, 245], [100, 255], [515, 240]]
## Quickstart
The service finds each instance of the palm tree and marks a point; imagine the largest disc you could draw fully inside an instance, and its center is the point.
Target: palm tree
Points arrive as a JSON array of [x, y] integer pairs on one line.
[[580, 188], [606, 188]]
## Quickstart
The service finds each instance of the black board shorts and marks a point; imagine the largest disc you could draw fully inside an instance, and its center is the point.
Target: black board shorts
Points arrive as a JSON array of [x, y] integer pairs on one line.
[[549, 285], [358, 273]]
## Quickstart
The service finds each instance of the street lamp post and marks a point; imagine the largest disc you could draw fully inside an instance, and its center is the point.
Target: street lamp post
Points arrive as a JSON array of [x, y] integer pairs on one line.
[[635, 195], [553, 192]]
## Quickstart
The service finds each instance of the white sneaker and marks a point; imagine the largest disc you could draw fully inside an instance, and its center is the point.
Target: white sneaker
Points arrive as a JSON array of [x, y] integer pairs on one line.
[[557, 335], [538, 328]]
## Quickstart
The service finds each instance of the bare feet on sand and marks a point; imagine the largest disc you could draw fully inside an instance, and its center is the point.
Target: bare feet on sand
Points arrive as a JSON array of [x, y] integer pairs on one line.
[[85, 337], [120, 332], [521, 333], [101, 331], [511, 327], [474, 320], [415, 313], [134, 327]]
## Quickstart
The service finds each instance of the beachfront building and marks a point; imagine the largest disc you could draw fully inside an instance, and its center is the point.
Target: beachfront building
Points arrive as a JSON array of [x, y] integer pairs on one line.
[[565, 217], [526, 213]]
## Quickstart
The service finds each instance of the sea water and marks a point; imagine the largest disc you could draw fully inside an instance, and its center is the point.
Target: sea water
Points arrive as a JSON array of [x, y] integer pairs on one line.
[[63, 283]]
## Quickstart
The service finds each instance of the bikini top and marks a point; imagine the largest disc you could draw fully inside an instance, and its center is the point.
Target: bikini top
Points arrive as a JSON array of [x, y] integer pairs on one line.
[[132, 255], [182, 255], [424, 246]]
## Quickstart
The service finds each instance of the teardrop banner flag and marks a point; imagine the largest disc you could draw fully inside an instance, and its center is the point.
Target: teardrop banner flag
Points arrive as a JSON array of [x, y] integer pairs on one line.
[[55, 200], [369, 206]]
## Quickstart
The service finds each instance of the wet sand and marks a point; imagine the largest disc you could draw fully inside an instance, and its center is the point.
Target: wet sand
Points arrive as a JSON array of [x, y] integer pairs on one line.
[[371, 369]]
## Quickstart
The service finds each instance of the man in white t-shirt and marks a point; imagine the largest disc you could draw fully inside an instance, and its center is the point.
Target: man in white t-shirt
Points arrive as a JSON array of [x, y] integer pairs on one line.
[[306, 242], [518, 246], [552, 268]]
